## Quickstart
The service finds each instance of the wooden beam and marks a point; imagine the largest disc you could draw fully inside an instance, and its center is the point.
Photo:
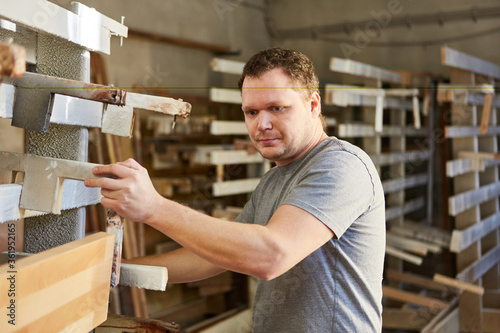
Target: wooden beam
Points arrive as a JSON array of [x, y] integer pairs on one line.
[[479, 267], [225, 127], [464, 165], [458, 284], [491, 320], [415, 246], [224, 95], [463, 201], [71, 289], [232, 187], [7, 93], [364, 130], [119, 324], [399, 184], [392, 251], [454, 58], [450, 323], [414, 279], [234, 157], [478, 159], [452, 132], [393, 158], [462, 239], [422, 232], [404, 319], [352, 67], [144, 276], [412, 298], [227, 66], [408, 207]]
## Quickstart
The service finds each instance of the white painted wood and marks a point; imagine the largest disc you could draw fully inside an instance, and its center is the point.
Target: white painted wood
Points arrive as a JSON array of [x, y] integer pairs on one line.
[[223, 95], [479, 267], [454, 58], [399, 184], [392, 158], [462, 239], [363, 130], [409, 206], [234, 157], [349, 66], [232, 187], [341, 95], [422, 232], [90, 29], [227, 66], [452, 132], [118, 120], [7, 93], [226, 127], [144, 276], [10, 195], [389, 250], [416, 112], [463, 201], [69, 110], [411, 245]]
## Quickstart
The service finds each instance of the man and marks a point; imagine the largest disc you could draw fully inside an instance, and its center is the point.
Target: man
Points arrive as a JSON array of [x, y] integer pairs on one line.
[[313, 232]]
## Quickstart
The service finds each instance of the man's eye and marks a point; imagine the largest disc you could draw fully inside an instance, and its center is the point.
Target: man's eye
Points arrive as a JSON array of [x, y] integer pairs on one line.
[[250, 113], [277, 108]]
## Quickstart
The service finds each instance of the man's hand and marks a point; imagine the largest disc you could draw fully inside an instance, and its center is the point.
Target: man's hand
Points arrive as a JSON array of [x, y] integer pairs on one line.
[[130, 193]]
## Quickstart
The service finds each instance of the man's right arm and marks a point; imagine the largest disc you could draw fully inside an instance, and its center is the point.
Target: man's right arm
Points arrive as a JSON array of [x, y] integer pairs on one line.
[[183, 265]]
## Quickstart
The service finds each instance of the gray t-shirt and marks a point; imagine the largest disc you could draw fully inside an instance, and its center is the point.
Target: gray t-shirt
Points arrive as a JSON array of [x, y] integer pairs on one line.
[[337, 288]]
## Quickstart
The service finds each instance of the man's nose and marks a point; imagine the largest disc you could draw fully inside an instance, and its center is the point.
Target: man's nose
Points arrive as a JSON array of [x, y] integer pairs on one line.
[[264, 121]]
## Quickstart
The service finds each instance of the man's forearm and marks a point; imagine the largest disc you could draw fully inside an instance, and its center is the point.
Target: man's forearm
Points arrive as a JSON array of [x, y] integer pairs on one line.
[[183, 266]]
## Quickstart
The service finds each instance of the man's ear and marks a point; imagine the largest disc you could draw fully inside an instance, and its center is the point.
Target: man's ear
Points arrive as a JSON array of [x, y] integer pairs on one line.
[[315, 103]]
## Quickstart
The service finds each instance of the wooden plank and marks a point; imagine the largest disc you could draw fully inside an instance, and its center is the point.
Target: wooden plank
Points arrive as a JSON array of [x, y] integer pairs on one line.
[[449, 324], [119, 324], [411, 245], [364, 130], [226, 127], [341, 95], [452, 132], [407, 156], [232, 187], [491, 320], [463, 201], [464, 165], [399, 184], [352, 67], [227, 66], [414, 279], [408, 207], [478, 268], [458, 284], [423, 232], [144, 276], [491, 299], [225, 157], [71, 289], [389, 250], [462, 239], [224, 95], [412, 298], [403, 319], [454, 58], [7, 93]]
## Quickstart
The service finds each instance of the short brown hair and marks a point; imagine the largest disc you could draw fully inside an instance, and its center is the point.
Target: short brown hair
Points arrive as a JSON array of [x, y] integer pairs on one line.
[[293, 63]]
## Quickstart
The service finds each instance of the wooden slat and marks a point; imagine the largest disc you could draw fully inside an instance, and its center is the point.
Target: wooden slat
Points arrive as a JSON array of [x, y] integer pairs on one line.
[[234, 157], [454, 58], [458, 284], [491, 320], [227, 66], [144, 276], [224, 95], [392, 251], [413, 279], [462, 239], [393, 158], [463, 201], [232, 187], [423, 232], [70, 290], [357, 68], [364, 130], [478, 268], [225, 127], [409, 206], [404, 319], [412, 298], [449, 324], [411, 245], [404, 183]]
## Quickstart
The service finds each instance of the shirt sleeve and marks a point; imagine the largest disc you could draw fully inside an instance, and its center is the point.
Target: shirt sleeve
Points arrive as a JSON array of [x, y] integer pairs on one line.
[[337, 190]]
